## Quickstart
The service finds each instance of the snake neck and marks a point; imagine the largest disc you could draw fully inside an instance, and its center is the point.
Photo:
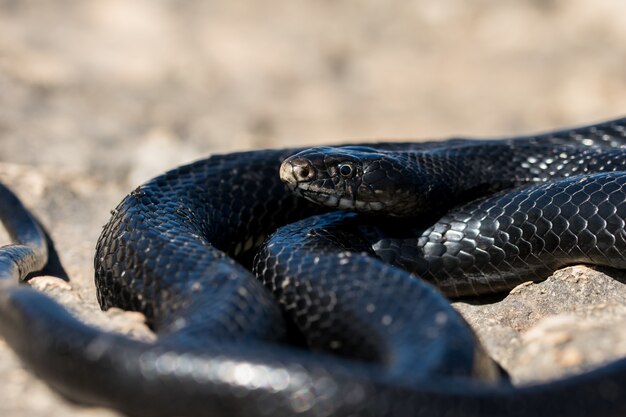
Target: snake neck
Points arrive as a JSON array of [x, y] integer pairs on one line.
[[444, 178]]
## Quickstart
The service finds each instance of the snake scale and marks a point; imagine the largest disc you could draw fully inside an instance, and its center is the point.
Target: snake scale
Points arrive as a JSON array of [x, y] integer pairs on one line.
[[330, 323]]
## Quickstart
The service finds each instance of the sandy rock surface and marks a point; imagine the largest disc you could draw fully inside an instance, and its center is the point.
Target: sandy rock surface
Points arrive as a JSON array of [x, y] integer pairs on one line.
[[99, 96], [567, 324]]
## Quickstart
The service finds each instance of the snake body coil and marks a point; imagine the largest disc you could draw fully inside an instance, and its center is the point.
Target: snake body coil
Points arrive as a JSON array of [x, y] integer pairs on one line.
[[345, 333]]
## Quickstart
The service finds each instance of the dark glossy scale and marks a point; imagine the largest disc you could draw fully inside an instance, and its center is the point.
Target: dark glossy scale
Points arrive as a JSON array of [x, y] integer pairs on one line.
[[316, 270], [223, 347], [496, 243], [419, 182]]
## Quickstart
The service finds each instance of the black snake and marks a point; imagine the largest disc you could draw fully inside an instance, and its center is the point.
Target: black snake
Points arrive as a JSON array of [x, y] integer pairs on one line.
[[340, 333]]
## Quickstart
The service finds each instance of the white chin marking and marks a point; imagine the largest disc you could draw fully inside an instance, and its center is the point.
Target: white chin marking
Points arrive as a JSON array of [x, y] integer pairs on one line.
[[346, 203], [369, 205], [332, 200]]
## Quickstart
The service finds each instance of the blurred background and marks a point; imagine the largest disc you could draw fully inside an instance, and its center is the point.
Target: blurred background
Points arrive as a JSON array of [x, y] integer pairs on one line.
[[126, 89], [97, 96]]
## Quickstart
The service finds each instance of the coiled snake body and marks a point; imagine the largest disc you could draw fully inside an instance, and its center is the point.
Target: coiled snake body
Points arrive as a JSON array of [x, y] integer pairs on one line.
[[344, 333]]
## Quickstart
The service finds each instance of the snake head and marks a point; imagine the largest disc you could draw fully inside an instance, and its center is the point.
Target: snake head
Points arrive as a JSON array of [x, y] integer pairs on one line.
[[351, 178]]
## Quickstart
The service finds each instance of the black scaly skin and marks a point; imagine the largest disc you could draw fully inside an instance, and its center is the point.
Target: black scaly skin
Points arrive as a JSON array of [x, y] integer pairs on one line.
[[412, 183], [496, 243], [314, 269], [220, 352]]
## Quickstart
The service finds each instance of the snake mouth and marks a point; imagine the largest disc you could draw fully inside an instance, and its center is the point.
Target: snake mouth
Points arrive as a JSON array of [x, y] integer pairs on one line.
[[315, 194]]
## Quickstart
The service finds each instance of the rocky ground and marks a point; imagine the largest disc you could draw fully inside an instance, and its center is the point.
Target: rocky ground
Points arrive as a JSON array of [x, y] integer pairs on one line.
[[98, 96]]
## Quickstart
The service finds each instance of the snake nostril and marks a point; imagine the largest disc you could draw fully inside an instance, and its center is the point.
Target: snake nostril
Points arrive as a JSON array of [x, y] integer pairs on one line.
[[302, 172]]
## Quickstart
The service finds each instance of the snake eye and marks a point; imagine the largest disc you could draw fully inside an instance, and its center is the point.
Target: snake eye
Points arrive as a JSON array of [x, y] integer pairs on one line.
[[346, 170]]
